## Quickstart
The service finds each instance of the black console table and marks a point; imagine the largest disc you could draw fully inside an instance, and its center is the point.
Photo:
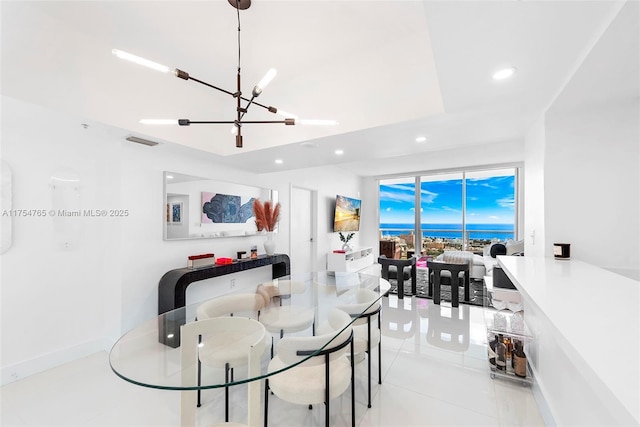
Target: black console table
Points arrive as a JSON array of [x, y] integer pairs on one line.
[[172, 289]]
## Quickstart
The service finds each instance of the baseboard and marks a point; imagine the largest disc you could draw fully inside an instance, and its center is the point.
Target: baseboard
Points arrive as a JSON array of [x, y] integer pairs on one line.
[[51, 360]]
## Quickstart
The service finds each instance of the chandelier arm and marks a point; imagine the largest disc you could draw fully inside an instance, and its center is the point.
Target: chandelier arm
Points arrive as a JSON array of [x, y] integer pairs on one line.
[[250, 101], [233, 122], [211, 86]]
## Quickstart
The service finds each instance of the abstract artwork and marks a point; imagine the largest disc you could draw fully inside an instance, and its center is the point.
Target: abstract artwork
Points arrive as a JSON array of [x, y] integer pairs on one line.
[[174, 213], [225, 208]]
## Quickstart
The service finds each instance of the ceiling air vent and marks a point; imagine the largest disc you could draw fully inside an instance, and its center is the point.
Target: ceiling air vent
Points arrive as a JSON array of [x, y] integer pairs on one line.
[[141, 141]]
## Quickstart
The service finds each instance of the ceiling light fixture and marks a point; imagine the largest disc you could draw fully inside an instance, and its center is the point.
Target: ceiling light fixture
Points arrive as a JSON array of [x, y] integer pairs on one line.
[[241, 110], [421, 139], [504, 73], [339, 152]]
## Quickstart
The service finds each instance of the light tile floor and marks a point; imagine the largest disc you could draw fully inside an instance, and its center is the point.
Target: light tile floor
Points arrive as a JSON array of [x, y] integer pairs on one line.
[[426, 382]]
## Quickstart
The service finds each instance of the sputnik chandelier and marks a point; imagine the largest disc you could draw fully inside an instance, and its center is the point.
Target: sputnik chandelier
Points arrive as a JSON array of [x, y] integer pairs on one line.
[[241, 110]]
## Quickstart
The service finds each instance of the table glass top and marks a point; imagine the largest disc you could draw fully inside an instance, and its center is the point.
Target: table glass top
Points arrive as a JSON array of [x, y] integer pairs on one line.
[[150, 355]]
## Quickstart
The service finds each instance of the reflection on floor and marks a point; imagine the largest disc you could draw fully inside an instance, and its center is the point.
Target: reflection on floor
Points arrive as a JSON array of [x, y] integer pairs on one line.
[[433, 365]]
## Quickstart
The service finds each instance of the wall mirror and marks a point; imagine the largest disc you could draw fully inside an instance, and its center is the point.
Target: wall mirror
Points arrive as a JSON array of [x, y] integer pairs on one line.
[[202, 208]]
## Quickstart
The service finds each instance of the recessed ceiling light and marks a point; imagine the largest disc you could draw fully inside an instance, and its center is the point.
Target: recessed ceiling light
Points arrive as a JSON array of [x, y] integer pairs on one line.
[[421, 139], [504, 73], [279, 161], [339, 152]]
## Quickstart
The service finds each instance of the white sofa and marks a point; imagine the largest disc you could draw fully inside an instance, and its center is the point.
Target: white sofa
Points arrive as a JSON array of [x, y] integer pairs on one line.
[[513, 248], [482, 265]]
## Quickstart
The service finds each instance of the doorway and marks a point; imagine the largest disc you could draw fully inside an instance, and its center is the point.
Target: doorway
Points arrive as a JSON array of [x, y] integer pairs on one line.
[[303, 229]]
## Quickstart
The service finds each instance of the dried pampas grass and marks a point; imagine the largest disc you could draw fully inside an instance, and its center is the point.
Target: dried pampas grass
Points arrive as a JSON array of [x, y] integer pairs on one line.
[[266, 214]]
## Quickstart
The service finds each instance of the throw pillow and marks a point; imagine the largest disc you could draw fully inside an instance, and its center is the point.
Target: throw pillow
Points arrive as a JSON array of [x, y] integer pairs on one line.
[[486, 251], [458, 257], [498, 249], [515, 247]]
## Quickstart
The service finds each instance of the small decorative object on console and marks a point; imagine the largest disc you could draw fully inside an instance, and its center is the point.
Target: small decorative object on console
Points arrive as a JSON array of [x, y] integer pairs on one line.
[[562, 250], [201, 260], [224, 261], [345, 240]]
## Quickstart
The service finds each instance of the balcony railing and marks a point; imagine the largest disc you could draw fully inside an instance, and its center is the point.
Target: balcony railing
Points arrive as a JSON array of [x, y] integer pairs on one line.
[[436, 241]]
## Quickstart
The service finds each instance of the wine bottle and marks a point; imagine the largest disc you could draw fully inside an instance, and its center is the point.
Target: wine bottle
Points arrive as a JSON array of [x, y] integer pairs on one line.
[[520, 360], [501, 351], [491, 350], [507, 342]]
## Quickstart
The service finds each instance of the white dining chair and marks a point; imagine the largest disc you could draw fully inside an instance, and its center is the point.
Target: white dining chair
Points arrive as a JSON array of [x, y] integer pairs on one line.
[[324, 372], [280, 314], [220, 341], [245, 305], [366, 308]]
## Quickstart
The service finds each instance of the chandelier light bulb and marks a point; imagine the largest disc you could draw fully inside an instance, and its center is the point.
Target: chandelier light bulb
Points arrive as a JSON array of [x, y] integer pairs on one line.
[[267, 78], [317, 122], [140, 61], [257, 89], [287, 115], [159, 121]]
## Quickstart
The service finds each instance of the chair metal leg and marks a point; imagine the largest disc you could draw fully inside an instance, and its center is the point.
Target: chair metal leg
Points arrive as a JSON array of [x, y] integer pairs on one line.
[[198, 404], [226, 393], [369, 362], [353, 389], [199, 382], [327, 396], [380, 351], [266, 401]]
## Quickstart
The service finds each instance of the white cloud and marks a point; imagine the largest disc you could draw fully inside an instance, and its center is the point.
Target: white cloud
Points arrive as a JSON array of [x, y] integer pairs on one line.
[[393, 196], [507, 202], [427, 196]]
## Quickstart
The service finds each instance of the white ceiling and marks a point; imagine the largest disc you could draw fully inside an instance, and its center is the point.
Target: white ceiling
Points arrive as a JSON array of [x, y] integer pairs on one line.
[[388, 71]]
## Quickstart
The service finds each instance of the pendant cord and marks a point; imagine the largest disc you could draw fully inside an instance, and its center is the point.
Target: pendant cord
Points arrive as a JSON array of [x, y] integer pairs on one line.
[[238, 14]]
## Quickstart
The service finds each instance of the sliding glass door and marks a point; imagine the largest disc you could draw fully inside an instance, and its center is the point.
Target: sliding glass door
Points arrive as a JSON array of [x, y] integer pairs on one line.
[[464, 210], [490, 207], [442, 212], [397, 214]]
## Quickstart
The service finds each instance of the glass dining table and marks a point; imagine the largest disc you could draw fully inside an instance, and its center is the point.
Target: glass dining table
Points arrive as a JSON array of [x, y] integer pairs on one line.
[[143, 356]]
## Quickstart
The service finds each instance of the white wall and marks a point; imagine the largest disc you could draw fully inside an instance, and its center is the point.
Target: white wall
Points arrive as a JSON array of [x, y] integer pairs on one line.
[[591, 153], [534, 229], [582, 187], [58, 305], [591, 178]]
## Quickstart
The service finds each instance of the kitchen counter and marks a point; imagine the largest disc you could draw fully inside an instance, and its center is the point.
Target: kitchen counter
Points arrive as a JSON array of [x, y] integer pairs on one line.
[[587, 326]]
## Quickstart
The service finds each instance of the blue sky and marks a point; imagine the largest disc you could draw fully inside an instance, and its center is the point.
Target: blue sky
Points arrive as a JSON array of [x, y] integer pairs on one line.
[[490, 200]]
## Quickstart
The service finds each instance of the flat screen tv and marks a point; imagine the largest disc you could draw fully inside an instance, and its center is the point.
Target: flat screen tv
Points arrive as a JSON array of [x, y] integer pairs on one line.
[[347, 214]]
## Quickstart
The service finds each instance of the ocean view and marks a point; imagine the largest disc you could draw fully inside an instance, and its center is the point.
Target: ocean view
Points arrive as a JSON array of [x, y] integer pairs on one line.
[[451, 231]]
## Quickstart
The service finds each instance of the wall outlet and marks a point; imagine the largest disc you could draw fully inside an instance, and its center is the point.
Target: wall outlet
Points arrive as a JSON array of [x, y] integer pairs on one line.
[[233, 283]]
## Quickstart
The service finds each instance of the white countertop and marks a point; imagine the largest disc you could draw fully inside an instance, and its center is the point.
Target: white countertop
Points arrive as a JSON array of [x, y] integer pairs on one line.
[[588, 305]]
